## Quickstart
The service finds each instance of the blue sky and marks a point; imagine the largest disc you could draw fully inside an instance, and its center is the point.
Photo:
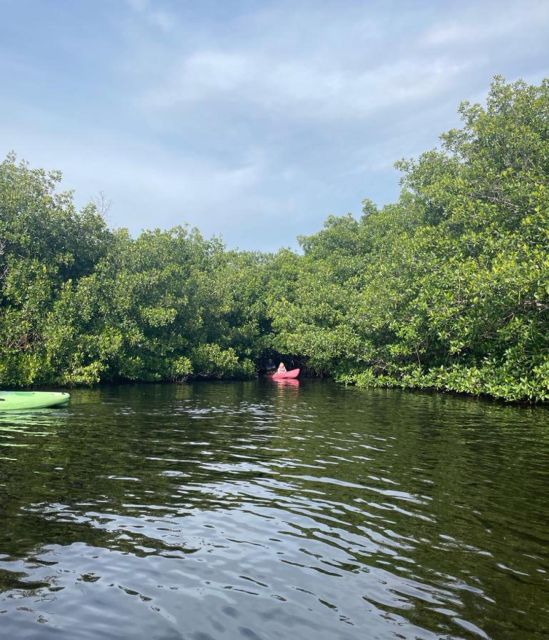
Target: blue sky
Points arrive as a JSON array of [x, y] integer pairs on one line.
[[253, 120]]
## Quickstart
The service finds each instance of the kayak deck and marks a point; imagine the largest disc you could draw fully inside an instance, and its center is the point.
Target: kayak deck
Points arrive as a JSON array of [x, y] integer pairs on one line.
[[21, 400]]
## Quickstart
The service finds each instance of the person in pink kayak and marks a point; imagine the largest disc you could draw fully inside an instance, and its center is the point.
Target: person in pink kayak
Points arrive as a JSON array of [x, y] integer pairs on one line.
[[281, 368]]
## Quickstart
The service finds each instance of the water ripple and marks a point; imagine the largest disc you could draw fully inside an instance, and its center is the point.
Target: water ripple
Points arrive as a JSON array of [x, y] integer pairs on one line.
[[258, 511]]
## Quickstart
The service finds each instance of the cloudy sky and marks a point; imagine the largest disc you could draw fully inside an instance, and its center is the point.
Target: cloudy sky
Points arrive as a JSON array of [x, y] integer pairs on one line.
[[251, 119]]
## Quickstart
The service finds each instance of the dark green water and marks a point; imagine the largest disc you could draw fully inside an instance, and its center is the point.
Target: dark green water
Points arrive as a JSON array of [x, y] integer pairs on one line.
[[253, 510]]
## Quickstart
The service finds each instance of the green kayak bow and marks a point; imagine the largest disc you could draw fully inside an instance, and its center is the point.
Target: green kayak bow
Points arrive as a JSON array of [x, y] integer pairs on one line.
[[21, 400]]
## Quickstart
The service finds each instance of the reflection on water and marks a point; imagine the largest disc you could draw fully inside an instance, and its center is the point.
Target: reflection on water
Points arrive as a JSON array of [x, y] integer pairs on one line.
[[13, 424], [286, 382], [261, 510]]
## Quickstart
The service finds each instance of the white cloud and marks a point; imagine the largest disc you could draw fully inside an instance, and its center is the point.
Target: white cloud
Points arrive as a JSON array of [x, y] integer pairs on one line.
[[489, 22], [138, 5], [154, 16], [256, 124], [333, 62], [298, 88]]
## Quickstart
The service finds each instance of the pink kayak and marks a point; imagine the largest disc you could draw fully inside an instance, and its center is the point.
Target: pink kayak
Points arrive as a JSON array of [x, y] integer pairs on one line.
[[286, 375]]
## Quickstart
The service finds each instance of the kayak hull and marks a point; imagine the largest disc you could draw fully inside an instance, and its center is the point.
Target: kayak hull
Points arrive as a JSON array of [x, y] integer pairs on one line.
[[287, 375], [22, 400]]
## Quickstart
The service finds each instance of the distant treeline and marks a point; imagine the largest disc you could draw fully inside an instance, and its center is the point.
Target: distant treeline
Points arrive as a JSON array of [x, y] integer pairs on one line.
[[446, 289]]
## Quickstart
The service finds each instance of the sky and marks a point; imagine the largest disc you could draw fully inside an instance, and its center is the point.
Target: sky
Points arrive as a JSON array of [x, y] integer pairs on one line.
[[252, 120]]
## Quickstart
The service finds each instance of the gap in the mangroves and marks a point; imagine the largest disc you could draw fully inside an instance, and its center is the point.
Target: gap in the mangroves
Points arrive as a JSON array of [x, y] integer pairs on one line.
[[259, 511]]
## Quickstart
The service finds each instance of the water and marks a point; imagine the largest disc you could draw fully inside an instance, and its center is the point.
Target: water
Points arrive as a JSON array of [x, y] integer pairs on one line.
[[256, 510]]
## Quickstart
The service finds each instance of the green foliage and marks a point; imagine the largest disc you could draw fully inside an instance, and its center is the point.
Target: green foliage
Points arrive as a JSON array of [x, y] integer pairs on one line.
[[214, 362], [445, 289], [80, 304]]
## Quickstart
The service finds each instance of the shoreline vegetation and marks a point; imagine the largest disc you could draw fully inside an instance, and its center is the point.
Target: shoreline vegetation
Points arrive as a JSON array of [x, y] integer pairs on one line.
[[446, 289]]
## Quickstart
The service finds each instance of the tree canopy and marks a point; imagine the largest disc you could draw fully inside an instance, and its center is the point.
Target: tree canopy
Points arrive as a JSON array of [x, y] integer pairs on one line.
[[447, 288]]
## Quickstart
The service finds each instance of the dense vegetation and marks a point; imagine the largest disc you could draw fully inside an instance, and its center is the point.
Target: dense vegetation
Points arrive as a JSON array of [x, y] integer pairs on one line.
[[448, 288]]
